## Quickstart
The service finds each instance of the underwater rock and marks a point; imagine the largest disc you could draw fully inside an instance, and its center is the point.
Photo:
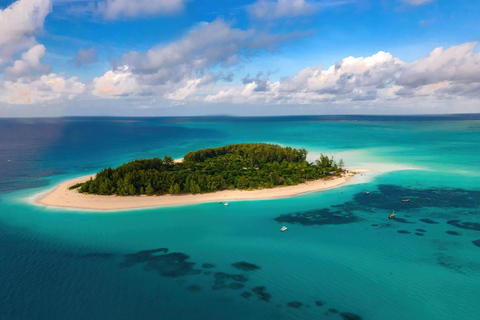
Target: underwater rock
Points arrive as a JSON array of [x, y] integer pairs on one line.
[[404, 231], [429, 221], [453, 233], [401, 220], [262, 293], [245, 266], [465, 225], [295, 304], [319, 303], [350, 316], [246, 294], [233, 281], [318, 217], [419, 234], [421, 230], [194, 288], [171, 265], [476, 242], [208, 265], [332, 310]]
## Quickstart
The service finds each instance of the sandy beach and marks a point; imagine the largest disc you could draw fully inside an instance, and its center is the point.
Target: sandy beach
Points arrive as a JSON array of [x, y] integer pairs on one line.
[[61, 196]]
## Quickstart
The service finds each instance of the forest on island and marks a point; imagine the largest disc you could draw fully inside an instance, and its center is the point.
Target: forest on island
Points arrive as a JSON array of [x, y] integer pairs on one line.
[[244, 166]]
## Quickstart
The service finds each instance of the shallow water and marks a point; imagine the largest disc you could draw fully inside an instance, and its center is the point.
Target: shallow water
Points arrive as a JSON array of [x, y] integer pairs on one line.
[[340, 248]]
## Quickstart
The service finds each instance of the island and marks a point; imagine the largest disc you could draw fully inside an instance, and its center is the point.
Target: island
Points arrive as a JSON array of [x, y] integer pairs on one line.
[[234, 172]]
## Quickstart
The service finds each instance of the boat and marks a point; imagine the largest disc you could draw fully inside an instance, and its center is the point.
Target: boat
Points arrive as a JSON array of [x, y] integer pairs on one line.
[[220, 202], [283, 228], [392, 216], [367, 193], [406, 200], [226, 203]]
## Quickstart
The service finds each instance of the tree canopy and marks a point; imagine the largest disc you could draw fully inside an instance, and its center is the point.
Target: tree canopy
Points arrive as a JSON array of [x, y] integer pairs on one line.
[[243, 166]]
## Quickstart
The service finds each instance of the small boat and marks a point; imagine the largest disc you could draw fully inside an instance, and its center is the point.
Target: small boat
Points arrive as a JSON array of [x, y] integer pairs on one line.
[[392, 216], [406, 200], [226, 203], [367, 193], [283, 228], [220, 202]]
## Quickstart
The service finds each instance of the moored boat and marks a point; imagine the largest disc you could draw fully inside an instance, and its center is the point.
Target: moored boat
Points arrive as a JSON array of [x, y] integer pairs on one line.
[[392, 216], [283, 228], [226, 203], [406, 200]]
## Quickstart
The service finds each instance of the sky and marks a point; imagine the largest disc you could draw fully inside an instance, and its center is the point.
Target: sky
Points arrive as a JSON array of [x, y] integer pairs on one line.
[[233, 57]]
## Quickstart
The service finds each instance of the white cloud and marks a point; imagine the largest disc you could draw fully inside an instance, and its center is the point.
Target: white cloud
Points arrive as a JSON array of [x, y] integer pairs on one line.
[[46, 88], [416, 2], [113, 9], [179, 68], [85, 56], [380, 79], [28, 64], [274, 9], [18, 24], [114, 83]]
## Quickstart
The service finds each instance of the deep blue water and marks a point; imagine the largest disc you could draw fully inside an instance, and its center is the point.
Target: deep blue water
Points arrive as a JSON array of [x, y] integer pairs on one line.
[[340, 257]]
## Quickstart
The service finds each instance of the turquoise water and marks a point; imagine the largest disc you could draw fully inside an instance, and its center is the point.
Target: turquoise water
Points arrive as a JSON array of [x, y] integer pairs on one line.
[[340, 247]]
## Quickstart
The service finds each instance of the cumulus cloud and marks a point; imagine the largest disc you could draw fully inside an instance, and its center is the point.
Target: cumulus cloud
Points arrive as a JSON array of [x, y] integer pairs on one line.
[[85, 56], [113, 9], [452, 73], [18, 24], [274, 9], [46, 88], [29, 64], [179, 67]]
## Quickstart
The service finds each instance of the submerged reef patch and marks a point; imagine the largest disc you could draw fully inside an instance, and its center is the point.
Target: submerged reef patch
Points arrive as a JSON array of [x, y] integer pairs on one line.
[[262, 293], [233, 281], [476, 242], [318, 217], [245, 266], [404, 231], [429, 221], [319, 303], [208, 265], [295, 304], [350, 316], [465, 225], [453, 233], [166, 264]]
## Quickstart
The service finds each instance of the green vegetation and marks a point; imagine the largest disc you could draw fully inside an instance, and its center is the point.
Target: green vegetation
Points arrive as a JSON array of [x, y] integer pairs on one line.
[[75, 186], [244, 166]]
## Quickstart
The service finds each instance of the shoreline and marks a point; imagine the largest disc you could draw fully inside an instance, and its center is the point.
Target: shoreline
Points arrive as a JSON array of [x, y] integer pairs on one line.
[[62, 197]]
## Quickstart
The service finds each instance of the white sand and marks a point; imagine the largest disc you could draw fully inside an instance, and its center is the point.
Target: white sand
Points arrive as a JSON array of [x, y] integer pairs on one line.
[[61, 196]]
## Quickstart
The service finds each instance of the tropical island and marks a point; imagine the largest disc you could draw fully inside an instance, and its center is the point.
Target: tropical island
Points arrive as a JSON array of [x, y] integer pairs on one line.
[[233, 172]]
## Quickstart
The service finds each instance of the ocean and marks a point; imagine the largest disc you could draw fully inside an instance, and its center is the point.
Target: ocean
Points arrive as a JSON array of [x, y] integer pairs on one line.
[[341, 257]]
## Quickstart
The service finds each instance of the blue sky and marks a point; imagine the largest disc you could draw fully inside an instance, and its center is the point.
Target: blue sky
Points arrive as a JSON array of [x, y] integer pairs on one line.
[[258, 57]]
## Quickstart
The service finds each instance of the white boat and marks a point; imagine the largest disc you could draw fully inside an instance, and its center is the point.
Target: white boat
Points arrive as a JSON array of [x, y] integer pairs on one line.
[[283, 228], [226, 203]]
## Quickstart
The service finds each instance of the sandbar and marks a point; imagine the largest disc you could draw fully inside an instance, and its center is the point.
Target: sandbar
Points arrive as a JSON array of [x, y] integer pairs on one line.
[[61, 196]]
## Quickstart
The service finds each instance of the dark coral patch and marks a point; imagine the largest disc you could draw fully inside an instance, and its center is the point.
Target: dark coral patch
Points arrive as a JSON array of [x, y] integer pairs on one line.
[[295, 304], [401, 220], [318, 217], [404, 231], [465, 225], [245, 266], [246, 294], [172, 265], [233, 281], [429, 221], [350, 316], [319, 303], [374, 225], [332, 310], [208, 265], [421, 230], [453, 233], [262, 293], [419, 234], [476, 242], [194, 288]]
